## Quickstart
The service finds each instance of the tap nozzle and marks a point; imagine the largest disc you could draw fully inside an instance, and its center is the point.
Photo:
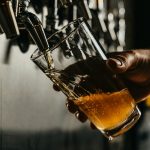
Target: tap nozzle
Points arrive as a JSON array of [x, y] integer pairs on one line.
[[34, 26], [8, 19]]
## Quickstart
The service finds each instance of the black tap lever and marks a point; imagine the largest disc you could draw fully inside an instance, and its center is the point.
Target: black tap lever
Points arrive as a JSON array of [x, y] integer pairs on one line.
[[8, 19], [66, 3], [33, 25], [83, 9]]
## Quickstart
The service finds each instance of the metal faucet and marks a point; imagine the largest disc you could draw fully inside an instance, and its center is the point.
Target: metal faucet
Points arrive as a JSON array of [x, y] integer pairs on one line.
[[82, 6], [30, 22], [83, 9], [8, 19], [15, 6], [52, 19], [66, 3], [108, 26]]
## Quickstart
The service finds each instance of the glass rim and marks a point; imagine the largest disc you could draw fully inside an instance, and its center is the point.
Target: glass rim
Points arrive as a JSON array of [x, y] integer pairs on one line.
[[81, 19]]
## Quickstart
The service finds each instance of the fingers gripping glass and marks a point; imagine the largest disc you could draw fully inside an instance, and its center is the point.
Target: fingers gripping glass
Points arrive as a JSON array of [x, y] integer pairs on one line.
[[77, 67]]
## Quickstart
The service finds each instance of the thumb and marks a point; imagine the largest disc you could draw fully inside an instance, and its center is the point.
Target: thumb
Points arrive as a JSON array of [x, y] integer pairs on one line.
[[120, 62]]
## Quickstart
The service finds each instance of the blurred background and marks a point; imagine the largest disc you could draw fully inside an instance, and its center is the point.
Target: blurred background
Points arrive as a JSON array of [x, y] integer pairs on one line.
[[32, 115]]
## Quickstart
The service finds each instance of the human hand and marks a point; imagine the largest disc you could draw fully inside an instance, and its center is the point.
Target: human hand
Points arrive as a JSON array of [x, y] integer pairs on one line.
[[133, 67]]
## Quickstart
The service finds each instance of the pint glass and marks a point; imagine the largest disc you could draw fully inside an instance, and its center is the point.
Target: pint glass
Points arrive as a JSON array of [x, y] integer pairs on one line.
[[78, 68]]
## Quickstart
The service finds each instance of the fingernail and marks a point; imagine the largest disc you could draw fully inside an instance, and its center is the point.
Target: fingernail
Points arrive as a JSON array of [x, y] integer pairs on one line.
[[114, 63], [77, 115]]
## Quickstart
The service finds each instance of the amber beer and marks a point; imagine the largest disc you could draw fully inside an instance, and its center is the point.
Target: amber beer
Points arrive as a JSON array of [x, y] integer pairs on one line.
[[107, 110]]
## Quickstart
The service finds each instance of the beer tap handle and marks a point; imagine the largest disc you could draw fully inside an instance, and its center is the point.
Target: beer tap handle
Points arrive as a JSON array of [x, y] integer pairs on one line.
[[83, 9], [66, 3], [15, 6], [37, 5], [8, 19], [52, 18], [33, 25]]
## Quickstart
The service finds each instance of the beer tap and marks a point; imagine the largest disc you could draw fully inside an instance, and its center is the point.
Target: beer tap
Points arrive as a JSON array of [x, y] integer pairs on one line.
[[38, 5], [77, 8], [113, 23], [66, 3], [30, 28], [100, 22], [15, 6], [121, 23], [31, 23], [68, 12], [52, 19], [8, 19], [106, 17], [83, 9], [97, 27], [107, 22]]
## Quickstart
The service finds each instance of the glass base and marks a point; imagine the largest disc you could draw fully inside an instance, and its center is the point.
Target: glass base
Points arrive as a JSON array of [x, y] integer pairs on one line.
[[132, 119]]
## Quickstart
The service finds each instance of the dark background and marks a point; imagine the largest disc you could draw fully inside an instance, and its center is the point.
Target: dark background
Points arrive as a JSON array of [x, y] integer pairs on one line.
[[138, 23]]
